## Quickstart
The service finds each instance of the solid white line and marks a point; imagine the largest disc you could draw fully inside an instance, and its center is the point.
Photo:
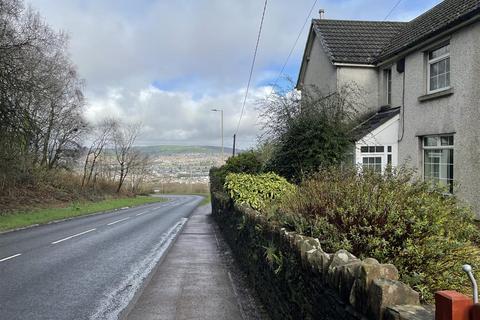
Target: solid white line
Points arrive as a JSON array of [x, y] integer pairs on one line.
[[11, 257], [109, 224], [111, 306], [75, 235], [139, 214]]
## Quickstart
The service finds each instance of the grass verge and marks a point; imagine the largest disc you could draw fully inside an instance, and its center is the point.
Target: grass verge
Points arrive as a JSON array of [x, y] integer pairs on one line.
[[21, 219], [207, 199]]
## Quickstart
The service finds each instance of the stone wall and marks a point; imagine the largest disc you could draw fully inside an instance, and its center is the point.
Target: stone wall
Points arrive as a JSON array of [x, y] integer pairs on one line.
[[296, 279]]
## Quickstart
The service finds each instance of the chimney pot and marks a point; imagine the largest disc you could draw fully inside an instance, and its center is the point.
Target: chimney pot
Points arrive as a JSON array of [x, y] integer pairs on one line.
[[321, 12]]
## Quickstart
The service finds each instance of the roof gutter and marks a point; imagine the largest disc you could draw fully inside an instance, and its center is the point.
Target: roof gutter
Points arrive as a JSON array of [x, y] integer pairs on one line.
[[355, 65], [433, 39]]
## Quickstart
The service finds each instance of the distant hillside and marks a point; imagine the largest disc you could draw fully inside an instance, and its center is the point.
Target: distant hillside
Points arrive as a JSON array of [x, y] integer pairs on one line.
[[174, 149]]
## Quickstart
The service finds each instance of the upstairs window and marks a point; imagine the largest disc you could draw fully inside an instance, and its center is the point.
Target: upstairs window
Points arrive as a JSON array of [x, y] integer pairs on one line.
[[439, 69], [387, 76]]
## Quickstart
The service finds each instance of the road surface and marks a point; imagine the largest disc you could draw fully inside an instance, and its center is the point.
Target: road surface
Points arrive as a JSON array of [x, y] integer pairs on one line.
[[89, 267]]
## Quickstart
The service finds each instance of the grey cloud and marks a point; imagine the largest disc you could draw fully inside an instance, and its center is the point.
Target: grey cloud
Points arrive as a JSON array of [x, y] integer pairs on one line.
[[205, 47]]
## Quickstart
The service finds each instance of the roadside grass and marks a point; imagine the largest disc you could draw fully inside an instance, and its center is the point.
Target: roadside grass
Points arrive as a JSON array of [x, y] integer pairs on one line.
[[21, 219], [207, 198]]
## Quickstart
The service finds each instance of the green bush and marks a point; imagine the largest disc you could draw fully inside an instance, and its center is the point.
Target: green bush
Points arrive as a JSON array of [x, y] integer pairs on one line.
[[426, 234], [246, 162], [310, 130], [257, 190]]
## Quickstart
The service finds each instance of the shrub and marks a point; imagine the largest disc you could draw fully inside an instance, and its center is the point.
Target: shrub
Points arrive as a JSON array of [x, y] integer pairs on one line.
[[257, 190], [426, 234], [246, 162], [310, 130]]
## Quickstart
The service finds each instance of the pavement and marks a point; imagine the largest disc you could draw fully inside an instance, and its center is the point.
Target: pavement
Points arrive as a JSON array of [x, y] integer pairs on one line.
[[195, 281], [93, 267]]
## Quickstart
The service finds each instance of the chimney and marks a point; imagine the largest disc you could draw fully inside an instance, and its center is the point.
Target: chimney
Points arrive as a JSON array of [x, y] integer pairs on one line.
[[321, 12]]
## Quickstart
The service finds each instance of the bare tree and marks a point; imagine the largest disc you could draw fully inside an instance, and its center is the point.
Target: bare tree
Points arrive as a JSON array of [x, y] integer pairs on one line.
[[140, 170], [102, 136], [41, 96], [124, 138]]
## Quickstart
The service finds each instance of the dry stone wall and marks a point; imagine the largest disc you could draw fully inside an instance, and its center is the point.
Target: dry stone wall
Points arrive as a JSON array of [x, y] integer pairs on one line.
[[296, 279]]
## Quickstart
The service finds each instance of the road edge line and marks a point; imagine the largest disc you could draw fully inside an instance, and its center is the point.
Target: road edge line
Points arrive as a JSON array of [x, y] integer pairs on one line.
[[131, 304]]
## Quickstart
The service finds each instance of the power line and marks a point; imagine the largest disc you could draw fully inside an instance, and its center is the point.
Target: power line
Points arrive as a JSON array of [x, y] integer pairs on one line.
[[251, 68], [294, 45], [391, 10]]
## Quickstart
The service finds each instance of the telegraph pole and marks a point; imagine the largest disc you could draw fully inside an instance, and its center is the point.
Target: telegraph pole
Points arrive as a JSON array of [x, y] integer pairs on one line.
[[234, 138]]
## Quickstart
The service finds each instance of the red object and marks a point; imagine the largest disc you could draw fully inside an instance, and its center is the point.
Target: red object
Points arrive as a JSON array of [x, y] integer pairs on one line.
[[475, 312], [452, 305]]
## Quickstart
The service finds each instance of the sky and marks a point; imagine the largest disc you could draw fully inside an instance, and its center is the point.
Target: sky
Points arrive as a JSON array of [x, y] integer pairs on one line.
[[166, 64]]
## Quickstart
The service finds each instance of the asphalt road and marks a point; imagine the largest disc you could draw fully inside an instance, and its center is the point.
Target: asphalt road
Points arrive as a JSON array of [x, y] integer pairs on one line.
[[89, 267]]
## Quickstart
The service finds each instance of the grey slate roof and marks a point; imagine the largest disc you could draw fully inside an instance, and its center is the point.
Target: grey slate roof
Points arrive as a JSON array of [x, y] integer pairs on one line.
[[348, 41], [373, 122], [441, 17], [368, 42]]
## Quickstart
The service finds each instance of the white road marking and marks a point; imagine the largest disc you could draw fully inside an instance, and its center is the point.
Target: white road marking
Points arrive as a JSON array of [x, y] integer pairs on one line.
[[11, 257], [75, 235], [111, 306], [139, 214], [109, 224]]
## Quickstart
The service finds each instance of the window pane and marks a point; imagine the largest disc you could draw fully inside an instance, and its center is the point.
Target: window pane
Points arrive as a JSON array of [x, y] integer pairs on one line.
[[364, 149], [389, 149], [439, 52], [372, 163], [430, 141], [441, 66], [433, 83], [388, 85], [434, 69], [446, 140], [441, 81], [389, 159], [440, 74], [371, 149], [379, 149], [438, 166]]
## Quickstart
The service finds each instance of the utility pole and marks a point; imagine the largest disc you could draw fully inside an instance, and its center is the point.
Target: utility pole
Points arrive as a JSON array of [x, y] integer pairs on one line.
[[221, 113], [234, 138]]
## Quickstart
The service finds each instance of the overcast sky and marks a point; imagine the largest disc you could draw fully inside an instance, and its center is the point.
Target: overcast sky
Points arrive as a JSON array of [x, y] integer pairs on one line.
[[168, 63]]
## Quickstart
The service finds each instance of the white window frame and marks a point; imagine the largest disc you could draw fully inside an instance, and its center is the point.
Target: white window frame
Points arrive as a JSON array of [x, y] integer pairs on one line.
[[438, 146], [435, 60], [374, 154], [387, 77]]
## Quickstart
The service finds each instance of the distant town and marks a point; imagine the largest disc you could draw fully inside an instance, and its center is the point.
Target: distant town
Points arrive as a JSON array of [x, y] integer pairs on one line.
[[181, 164]]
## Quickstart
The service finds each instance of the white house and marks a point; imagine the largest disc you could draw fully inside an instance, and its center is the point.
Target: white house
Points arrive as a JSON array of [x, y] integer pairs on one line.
[[422, 85]]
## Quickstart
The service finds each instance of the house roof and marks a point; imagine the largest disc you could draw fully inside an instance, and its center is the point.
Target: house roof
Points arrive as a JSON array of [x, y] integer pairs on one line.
[[369, 42], [348, 41], [442, 17], [373, 122]]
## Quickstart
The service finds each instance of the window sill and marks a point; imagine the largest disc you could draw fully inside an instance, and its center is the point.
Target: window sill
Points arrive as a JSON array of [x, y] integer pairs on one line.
[[436, 95]]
